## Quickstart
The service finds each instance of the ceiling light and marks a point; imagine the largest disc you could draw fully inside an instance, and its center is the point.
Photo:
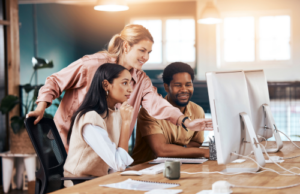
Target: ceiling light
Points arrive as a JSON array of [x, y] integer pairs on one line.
[[111, 5], [210, 14]]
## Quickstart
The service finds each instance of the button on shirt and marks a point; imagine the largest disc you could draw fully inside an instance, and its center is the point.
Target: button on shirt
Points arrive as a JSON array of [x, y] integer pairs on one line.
[[147, 125]]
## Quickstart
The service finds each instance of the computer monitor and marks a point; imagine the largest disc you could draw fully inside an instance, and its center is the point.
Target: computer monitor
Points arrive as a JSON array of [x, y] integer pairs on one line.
[[231, 116], [262, 118]]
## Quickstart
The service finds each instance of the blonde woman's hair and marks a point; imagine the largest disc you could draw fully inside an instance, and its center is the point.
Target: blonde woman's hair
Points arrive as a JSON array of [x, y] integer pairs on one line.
[[132, 34]]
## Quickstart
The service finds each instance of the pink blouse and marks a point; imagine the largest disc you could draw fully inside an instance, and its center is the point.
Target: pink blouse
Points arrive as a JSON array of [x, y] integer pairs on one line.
[[75, 80]]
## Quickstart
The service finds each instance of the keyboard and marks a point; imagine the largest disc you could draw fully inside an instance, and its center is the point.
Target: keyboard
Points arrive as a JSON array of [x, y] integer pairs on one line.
[[156, 169], [182, 160]]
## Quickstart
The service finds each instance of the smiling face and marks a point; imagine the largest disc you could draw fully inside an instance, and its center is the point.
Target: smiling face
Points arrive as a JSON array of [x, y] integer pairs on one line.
[[119, 91], [180, 89], [137, 55]]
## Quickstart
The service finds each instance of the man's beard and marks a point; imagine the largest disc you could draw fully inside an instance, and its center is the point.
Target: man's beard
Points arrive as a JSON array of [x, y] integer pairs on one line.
[[178, 103]]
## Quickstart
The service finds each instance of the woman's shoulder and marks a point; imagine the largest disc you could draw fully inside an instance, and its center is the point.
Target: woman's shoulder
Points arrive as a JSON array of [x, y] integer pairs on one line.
[[92, 114], [92, 117], [101, 57], [141, 75]]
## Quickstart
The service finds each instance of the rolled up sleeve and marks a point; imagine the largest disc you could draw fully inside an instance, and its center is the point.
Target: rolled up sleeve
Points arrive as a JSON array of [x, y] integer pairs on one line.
[[71, 77], [156, 106]]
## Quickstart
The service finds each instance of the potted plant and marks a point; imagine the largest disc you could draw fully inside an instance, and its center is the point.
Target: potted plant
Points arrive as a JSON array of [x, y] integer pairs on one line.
[[19, 139]]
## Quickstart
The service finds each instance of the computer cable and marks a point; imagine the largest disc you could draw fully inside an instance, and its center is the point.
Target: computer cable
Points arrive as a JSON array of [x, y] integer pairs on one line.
[[269, 169], [292, 143], [282, 158], [259, 136], [260, 187], [226, 186], [223, 184], [226, 173], [288, 138], [265, 169]]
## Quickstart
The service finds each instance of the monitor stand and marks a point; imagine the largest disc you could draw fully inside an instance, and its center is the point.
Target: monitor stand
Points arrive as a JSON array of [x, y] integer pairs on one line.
[[276, 134], [259, 157]]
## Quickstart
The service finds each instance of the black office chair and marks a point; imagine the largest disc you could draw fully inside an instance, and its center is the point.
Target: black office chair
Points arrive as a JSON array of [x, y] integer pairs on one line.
[[51, 154]]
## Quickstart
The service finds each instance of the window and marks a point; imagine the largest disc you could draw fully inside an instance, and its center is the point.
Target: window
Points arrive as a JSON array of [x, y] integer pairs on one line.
[[286, 114], [155, 28], [254, 39], [239, 39], [174, 40], [274, 38]]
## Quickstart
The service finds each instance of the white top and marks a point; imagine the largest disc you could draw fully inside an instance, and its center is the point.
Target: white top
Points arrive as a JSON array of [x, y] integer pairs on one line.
[[97, 138]]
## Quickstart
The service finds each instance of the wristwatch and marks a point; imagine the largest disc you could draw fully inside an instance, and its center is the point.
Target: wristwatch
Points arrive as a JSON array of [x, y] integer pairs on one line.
[[185, 118]]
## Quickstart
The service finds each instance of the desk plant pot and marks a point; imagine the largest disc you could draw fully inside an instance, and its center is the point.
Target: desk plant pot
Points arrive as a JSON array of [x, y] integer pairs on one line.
[[19, 139]]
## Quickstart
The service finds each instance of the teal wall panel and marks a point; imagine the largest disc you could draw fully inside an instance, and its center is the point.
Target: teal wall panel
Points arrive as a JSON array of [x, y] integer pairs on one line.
[[68, 32]]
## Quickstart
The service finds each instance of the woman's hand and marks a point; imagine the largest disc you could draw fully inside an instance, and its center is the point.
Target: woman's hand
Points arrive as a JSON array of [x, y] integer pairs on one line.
[[199, 124], [126, 112], [38, 112]]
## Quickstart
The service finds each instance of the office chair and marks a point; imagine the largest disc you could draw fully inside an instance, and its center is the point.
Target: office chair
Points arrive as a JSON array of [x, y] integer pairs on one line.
[[51, 154]]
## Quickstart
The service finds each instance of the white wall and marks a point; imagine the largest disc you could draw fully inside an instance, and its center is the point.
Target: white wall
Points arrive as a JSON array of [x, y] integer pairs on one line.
[[206, 38]]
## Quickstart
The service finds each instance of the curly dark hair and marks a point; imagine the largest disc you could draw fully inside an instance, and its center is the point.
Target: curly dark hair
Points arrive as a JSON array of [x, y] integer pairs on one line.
[[174, 68]]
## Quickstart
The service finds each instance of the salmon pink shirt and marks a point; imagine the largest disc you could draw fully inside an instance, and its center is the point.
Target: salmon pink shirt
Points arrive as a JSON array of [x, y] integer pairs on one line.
[[75, 80]]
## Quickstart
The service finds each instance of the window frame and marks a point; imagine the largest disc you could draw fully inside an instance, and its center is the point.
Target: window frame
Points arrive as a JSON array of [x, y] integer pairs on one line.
[[161, 66], [257, 63]]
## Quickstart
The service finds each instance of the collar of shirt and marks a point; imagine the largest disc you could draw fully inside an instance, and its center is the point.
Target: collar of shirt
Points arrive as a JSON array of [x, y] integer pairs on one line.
[[187, 111], [134, 73]]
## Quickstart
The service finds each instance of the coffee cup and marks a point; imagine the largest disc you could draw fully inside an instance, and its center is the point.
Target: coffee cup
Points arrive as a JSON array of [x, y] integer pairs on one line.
[[172, 169]]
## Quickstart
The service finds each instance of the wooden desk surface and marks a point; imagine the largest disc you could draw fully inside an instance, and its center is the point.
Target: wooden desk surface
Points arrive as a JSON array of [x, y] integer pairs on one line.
[[198, 182]]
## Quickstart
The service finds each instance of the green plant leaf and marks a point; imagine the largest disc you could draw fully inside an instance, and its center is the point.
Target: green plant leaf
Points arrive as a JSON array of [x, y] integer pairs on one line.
[[17, 124], [28, 87], [8, 103]]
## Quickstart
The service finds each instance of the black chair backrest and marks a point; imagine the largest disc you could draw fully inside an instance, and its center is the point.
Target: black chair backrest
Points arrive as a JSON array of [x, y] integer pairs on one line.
[[51, 154]]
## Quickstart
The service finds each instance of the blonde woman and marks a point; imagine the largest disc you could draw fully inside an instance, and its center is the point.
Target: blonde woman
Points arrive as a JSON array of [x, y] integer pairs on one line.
[[131, 49]]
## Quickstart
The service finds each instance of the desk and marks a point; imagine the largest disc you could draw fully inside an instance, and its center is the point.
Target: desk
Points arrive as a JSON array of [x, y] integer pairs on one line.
[[198, 182]]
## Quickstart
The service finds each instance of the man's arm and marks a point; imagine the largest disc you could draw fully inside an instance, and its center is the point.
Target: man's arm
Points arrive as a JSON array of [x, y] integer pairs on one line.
[[159, 146], [193, 144]]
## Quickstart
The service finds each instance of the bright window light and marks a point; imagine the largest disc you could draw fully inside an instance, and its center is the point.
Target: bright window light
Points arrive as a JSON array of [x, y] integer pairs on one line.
[[239, 42], [274, 38], [180, 40], [174, 40], [111, 7], [155, 28]]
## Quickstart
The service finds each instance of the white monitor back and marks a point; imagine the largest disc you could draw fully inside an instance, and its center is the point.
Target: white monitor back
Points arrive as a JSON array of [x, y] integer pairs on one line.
[[228, 97], [258, 95]]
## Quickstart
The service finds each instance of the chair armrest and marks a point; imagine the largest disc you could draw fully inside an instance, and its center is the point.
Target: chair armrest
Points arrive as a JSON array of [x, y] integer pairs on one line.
[[77, 178]]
